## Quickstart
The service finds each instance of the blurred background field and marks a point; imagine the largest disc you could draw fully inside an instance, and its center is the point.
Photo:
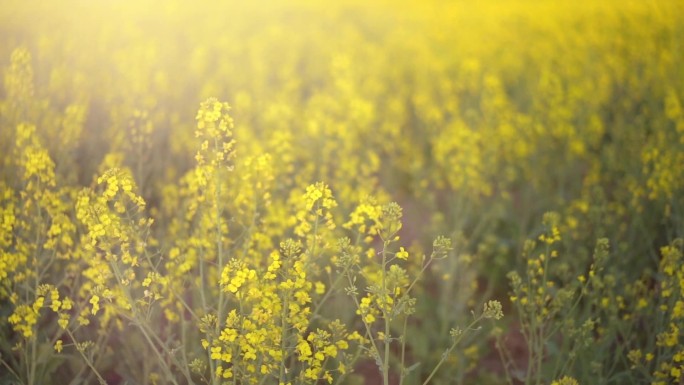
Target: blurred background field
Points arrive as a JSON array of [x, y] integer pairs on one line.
[[545, 139]]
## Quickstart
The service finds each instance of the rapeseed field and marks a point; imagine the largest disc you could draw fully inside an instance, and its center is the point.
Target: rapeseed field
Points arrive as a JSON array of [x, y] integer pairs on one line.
[[352, 192]]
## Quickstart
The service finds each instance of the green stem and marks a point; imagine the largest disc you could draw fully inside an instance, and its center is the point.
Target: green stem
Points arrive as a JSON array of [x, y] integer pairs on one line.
[[403, 352], [9, 369], [369, 332], [327, 295], [386, 316], [87, 360], [219, 244], [283, 338], [142, 327], [505, 357], [450, 349]]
